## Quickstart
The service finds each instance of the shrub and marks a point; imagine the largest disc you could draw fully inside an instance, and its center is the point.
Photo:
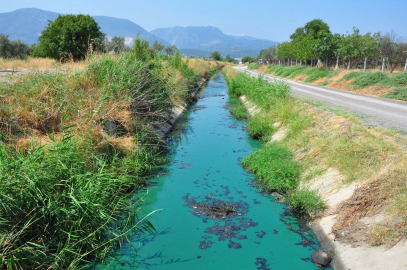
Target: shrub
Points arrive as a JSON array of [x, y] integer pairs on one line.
[[304, 201], [275, 168], [397, 93], [315, 74], [68, 36], [260, 127], [237, 108], [368, 79], [13, 49]]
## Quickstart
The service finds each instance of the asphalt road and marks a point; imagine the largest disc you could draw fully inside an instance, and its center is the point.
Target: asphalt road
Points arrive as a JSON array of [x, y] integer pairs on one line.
[[373, 111]]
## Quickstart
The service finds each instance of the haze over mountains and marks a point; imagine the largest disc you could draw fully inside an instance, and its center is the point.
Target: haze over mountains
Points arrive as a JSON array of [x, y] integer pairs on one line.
[[26, 24]]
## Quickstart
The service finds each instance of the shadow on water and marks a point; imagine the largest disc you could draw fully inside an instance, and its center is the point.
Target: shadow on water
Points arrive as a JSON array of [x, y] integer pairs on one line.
[[215, 216]]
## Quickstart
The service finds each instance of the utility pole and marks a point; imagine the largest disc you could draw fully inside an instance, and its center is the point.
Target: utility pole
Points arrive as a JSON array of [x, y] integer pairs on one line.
[[405, 66], [384, 62]]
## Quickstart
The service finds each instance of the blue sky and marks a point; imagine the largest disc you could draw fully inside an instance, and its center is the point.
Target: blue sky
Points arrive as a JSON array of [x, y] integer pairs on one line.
[[268, 19]]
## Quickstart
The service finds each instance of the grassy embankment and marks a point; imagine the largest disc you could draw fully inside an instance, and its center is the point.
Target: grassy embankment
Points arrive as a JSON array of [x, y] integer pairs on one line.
[[65, 182], [375, 83], [316, 143]]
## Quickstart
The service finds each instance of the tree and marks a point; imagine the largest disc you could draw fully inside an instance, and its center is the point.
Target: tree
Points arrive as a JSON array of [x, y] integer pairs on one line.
[[312, 27], [5, 47], [13, 49], [69, 35], [350, 46], [170, 49], [228, 58], [119, 45], [325, 46], [247, 59], [216, 56], [393, 48], [158, 47]]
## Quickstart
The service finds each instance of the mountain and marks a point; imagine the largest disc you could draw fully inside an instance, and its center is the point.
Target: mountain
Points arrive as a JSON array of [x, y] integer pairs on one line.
[[26, 24], [211, 38]]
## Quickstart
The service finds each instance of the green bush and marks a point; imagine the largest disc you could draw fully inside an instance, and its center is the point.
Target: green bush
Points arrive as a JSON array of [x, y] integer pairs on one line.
[[56, 208], [398, 79], [275, 168], [69, 36], [397, 93], [237, 109], [367, 79], [15, 49], [315, 74], [351, 75], [254, 66], [260, 127], [304, 201]]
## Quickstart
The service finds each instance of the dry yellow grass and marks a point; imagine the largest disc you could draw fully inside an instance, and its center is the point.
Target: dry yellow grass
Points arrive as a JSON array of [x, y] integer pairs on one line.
[[37, 63], [201, 66]]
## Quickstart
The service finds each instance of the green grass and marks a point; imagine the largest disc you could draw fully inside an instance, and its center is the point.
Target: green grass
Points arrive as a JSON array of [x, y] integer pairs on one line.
[[368, 79], [275, 168], [305, 201], [260, 127], [254, 66], [274, 164], [397, 93], [326, 82], [237, 108], [291, 72]]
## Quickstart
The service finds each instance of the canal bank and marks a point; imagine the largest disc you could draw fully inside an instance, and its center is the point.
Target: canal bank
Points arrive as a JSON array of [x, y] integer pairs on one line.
[[357, 171]]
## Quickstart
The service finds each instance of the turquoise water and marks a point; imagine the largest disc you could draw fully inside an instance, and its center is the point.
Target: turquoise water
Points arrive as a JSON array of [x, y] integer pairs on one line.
[[207, 147]]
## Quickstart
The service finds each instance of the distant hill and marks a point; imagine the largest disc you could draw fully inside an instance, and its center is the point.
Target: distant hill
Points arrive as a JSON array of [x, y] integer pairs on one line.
[[211, 38], [26, 24]]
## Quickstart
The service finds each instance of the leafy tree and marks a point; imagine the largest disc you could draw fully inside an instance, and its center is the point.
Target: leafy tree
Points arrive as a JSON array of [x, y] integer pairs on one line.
[[170, 49], [312, 27], [13, 49], [119, 45], [216, 56], [158, 47], [5, 47], [247, 59], [69, 35], [269, 53], [393, 48], [350, 46], [303, 47], [325, 46], [229, 59]]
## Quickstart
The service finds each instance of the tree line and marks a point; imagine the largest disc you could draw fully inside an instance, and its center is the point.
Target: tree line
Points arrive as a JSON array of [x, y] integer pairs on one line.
[[315, 44]]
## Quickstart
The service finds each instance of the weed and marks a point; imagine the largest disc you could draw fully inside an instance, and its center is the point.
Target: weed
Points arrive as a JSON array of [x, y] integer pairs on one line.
[[367, 79], [260, 127], [254, 66], [275, 168], [237, 109], [397, 93], [305, 201]]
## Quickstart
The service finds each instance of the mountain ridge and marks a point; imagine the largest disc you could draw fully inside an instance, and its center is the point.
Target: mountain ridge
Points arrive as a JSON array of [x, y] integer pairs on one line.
[[208, 38], [26, 24]]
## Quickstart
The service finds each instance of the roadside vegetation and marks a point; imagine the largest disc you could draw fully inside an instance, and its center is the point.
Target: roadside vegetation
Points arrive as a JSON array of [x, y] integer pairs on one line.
[[73, 147], [273, 164], [316, 146], [373, 82]]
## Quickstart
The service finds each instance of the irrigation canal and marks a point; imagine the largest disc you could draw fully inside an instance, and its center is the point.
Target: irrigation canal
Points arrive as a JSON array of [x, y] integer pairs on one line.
[[205, 174]]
